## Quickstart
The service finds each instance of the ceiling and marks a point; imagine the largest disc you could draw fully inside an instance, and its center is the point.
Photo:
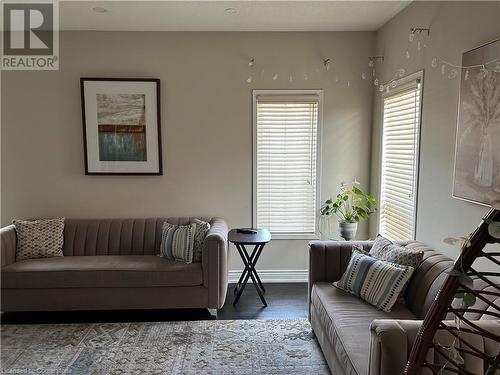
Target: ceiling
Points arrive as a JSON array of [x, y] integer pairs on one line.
[[252, 15]]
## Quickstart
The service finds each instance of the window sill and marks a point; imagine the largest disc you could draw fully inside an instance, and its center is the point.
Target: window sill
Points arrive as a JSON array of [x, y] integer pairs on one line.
[[294, 236]]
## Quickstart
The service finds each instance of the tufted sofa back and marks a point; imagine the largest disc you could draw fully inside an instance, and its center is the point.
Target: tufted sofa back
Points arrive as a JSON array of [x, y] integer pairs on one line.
[[117, 236], [426, 280]]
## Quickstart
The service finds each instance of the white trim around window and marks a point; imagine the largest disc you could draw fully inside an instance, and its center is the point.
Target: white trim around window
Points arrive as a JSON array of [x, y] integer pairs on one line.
[[311, 104]]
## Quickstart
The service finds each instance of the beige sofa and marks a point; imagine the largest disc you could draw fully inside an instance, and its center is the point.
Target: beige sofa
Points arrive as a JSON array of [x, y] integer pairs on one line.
[[113, 264], [358, 339]]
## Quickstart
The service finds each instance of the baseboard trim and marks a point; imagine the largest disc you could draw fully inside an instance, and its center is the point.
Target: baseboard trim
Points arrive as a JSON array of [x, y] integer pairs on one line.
[[274, 276]]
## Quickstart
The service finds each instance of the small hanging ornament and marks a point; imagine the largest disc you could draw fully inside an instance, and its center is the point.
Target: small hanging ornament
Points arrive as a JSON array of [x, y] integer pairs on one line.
[[466, 76], [371, 63], [443, 69], [363, 75], [453, 74], [407, 54], [483, 72], [251, 62], [327, 63], [375, 82], [249, 79], [411, 37], [401, 72], [434, 62], [381, 88], [275, 77], [394, 84]]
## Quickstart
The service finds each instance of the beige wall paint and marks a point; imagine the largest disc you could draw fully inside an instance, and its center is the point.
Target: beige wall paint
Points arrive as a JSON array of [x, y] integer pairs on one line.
[[206, 125], [455, 28]]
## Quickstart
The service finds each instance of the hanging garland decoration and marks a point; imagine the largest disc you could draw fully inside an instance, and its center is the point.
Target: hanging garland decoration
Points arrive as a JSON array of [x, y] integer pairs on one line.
[[484, 68], [415, 35]]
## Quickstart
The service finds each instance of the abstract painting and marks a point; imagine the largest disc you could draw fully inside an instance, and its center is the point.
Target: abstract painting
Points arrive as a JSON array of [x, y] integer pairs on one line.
[[477, 150], [121, 123]]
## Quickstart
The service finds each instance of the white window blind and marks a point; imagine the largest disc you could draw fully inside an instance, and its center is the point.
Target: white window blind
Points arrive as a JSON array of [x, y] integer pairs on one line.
[[400, 146], [285, 163]]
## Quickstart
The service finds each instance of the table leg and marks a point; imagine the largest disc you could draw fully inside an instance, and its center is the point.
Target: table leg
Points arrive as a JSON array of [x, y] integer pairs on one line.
[[249, 272], [246, 260]]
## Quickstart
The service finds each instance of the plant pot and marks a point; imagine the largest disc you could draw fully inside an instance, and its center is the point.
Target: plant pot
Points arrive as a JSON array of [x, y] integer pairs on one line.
[[348, 230]]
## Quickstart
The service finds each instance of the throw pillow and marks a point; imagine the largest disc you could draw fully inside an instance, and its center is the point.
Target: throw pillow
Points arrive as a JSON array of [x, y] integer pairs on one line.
[[384, 249], [177, 242], [43, 238], [373, 280], [202, 228]]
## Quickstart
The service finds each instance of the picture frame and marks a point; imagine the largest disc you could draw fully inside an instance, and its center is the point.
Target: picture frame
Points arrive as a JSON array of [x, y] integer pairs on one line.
[[121, 126], [476, 176]]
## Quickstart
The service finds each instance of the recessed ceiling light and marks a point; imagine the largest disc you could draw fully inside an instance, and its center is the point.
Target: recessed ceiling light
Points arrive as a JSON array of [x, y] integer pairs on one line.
[[230, 10], [99, 9]]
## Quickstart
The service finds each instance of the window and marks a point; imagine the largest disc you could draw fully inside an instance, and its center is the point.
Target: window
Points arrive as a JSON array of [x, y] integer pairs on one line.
[[400, 147], [286, 158]]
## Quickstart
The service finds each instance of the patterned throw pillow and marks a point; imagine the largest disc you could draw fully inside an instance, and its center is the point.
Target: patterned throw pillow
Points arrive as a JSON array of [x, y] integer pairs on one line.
[[373, 280], [384, 249], [42, 238], [177, 242], [202, 228]]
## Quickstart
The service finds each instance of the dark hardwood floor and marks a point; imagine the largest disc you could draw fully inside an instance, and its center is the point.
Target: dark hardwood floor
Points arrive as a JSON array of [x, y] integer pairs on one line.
[[285, 301]]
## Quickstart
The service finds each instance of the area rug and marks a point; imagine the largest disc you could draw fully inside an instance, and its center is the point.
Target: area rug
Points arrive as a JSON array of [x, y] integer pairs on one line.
[[194, 347]]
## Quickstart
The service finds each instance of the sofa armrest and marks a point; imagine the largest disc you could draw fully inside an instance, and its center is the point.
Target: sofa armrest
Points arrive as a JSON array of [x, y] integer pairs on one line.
[[329, 259], [8, 245], [215, 263], [390, 345], [392, 341]]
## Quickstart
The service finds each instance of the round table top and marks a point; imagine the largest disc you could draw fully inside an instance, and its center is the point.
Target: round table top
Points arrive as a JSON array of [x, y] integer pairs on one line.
[[262, 236]]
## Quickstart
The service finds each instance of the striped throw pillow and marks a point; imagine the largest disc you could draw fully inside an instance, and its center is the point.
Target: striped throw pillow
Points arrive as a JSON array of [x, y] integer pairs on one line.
[[177, 242], [373, 280]]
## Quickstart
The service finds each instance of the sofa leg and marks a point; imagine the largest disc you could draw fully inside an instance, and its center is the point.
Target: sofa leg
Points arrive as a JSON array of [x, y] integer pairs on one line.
[[213, 313]]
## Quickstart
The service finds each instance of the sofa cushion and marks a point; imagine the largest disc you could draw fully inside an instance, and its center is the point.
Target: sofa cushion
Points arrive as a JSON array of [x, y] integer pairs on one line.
[[346, 322], [100, 271]]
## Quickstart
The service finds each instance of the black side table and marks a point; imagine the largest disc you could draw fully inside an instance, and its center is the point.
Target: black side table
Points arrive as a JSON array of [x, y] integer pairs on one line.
[[259, 240]]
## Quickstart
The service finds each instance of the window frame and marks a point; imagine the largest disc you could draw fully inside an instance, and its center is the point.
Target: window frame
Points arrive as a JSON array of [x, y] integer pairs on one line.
[[319, 94], [416, 76]]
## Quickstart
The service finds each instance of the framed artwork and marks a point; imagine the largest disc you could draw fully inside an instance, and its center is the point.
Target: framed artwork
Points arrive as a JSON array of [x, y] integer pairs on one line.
[[121, 126], [477, 149]]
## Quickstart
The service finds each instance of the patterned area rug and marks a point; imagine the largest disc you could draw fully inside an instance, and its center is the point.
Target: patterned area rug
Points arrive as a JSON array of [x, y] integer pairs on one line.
[[198, 347]]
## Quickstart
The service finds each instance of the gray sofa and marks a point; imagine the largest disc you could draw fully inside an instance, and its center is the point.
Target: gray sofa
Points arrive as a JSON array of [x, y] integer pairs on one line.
[[358, 339], [113, 264]]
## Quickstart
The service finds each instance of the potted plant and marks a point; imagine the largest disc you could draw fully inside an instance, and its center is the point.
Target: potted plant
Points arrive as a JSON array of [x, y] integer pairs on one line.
[[350, 206]]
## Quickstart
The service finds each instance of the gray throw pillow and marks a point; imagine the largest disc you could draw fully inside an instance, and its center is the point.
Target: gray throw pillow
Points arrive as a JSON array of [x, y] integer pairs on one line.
[[385, 250], [202, 228], [43, 238]]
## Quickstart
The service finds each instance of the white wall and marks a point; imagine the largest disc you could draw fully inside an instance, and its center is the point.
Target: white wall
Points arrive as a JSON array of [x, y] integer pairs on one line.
[[455, 28], [206, 125]]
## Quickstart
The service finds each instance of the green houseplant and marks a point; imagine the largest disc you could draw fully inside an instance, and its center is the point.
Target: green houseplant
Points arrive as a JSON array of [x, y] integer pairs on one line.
[[350, 206]]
